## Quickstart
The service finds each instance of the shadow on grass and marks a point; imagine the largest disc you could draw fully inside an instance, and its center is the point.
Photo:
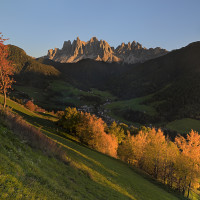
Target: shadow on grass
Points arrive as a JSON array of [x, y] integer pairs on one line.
[[85, 164], [38, 122], [47, 115]]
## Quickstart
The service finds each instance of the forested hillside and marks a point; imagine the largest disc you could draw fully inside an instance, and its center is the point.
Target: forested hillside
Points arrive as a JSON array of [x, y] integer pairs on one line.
[[172, 80], [158, 91], [28, 70]]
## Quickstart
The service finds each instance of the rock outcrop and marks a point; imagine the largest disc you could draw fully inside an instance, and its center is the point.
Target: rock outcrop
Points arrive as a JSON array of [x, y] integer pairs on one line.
[[101, 51]]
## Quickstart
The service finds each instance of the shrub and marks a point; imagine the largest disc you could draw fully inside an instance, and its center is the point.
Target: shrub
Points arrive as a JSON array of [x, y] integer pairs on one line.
[[30, 105], [41, 110], [60, 113], [70, 119]]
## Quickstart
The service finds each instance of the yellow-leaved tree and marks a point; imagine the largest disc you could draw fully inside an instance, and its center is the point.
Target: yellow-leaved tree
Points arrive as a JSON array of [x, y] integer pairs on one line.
[[189, 162]]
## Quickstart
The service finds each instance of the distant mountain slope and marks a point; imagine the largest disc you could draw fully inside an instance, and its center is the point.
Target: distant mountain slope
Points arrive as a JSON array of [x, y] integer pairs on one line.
[[183, 94], [175, 79], [152, 75], [28, 70], [25, 63], [88, 73], [172, 78], [102, 51]]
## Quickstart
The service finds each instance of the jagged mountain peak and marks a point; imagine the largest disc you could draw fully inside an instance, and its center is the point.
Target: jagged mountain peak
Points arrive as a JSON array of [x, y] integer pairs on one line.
[[94, 39], [100, 50]]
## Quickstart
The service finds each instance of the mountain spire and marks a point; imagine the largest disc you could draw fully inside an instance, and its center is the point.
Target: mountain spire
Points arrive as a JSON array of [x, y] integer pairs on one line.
[[101, 51]]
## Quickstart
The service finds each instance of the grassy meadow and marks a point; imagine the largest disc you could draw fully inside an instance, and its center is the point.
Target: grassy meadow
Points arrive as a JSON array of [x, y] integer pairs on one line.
[[59, 93], [134, 104], [185, 125], [29, 174]]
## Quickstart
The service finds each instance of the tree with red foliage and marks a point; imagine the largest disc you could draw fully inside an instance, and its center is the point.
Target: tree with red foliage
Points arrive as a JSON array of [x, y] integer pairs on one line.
[[30, 105], [6, 69]]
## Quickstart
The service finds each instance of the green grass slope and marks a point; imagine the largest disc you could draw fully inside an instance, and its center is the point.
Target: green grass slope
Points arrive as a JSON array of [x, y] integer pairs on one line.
[[174, 78], [184, 125], [135, 104], [28, 174], [58, 94]]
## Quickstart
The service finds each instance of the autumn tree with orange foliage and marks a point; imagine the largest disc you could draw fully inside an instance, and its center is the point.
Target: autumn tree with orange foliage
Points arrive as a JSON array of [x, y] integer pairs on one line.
[[91, 132], [189, 162], [170, 156], [6, 69], [132, 149], [154, 152]]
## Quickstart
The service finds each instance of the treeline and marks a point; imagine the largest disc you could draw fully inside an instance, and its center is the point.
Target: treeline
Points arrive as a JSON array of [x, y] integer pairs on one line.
[[176, 164]]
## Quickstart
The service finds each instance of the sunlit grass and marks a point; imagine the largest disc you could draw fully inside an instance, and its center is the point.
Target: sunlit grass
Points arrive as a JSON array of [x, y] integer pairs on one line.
[[89, 175], [111, 172], [13, 105], [28, 174]]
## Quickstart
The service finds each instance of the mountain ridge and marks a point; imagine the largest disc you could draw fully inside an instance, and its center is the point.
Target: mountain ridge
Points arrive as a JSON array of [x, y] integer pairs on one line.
[[100, 50]]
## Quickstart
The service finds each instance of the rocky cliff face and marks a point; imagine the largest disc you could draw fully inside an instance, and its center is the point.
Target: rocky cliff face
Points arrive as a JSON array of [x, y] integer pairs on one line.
[[101, 51]]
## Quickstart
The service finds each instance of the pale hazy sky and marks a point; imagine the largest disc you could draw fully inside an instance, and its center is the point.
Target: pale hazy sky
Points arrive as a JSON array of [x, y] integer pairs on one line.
[[39, 25]]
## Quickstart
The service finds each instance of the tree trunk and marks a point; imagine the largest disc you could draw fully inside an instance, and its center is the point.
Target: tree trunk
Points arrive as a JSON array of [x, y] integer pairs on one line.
[[189, 190], [179, 185], [165, 174], [4, 105], [155, 171]]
